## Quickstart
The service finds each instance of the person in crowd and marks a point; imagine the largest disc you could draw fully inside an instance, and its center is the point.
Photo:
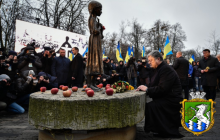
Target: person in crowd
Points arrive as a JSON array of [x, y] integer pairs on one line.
[[60, 68], [46, 80], [162, 115], [209, 66], [144, 72], [131, 70], [168, 62], [47, 60], [77, 69], [181, 66], [197, 77], [138, 73], [84, 67], [113, 67], [12, 62], [3, 65], [218, 74], [16, 102], [104, 79], [107, 66], [114, 77], [29, 60], [190, 76], [121, 70], [116, 64]]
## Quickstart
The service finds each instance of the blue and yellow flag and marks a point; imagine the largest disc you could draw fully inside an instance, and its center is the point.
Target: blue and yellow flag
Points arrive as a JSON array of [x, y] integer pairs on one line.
[[85, 52], [128, 54], [167, 48], [159, 49], [143, 52], [118, 53], [132, 51], [104, 56], [71, 56], [192, 59]]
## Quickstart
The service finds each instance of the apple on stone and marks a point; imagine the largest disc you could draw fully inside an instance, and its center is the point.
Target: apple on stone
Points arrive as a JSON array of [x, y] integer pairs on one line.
[[54, 90]]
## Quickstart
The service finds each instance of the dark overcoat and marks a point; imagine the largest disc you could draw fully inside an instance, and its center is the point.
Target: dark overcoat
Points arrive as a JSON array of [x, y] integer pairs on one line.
[[209, 78]]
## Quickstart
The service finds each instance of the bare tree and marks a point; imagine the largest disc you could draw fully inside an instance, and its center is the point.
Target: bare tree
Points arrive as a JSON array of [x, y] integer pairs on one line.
[[214, 43]]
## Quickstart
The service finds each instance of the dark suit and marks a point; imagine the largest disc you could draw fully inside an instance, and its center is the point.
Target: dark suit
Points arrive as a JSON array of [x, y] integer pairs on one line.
[[60, 69], [209, 79], [77, 71], [181, 66]]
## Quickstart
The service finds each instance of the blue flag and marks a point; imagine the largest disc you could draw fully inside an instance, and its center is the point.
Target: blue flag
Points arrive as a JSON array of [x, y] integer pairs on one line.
[[85, 52]]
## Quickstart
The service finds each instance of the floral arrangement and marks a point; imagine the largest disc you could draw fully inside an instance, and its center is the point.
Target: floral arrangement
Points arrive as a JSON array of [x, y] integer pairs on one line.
[[121, 86]]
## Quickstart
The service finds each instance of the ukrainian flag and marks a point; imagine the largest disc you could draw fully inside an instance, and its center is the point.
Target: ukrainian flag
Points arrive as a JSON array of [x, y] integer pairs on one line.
[[128, 54], [118, 53], [132, 51], [85, 52], [159, 49], [71, 56], [167, 48], [143, 52], [104, 56], [192, 59]]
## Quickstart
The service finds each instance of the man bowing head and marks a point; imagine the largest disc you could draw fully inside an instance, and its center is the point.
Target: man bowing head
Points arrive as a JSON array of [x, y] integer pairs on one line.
[[162, 115]]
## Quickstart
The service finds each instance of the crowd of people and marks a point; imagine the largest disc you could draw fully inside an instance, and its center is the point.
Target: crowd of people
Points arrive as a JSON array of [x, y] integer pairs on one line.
[[25, 72]]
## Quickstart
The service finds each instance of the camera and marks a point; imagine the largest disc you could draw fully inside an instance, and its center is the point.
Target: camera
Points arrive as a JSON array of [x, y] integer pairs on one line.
[[4, 65], [46, 77], [31, 52]]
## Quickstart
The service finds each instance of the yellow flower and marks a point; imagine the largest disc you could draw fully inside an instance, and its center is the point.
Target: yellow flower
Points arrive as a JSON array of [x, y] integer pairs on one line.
[[130, 87]]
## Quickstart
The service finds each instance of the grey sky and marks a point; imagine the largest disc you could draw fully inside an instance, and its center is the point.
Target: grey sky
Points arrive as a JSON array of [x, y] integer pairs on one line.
[[197, 17]]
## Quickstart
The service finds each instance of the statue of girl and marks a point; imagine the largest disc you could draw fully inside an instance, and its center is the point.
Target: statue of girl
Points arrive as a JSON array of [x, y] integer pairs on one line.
[[94, 66]]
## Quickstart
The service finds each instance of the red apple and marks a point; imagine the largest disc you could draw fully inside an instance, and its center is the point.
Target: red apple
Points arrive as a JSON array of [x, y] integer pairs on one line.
[[60, 87], [100, 85], [87, 89], [85, 86], [90, 93], [126, 87], [54, 90], [74, 89], [119, 84], [109, 92], [43, 89], [64, 88], [67, 93], [107, 87], [114, 86]]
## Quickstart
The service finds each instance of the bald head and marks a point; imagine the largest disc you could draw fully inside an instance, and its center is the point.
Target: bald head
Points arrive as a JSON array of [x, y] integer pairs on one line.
[[178, 54]]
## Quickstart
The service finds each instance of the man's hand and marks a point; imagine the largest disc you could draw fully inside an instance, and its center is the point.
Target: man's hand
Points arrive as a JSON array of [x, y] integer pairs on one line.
[[189, 75], [73, 78], [112, 75], [4, 80], [202, 71], [206, 70], [141, 88], [104, 80], [117, 74], [46, 81], [98, 78]]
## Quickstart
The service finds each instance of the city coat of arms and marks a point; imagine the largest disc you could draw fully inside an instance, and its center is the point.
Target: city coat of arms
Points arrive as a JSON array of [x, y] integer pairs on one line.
[[197, 113]]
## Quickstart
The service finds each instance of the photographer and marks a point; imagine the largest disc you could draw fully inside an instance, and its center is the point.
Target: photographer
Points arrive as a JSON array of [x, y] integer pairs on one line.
[[3, 65], [46, 80], [29, 60], [107, 66], [144, 72], [104, 79], [15, 102], [12, 62], [47, 60]]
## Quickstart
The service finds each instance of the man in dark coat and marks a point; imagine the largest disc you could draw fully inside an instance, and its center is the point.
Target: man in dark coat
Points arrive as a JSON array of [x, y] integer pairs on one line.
[[181, 66], [218, 73], [77, 69], [144, 72], [162, 115], [208, 67], [121, 70], [60, 68], [107, 66], [47, 60]]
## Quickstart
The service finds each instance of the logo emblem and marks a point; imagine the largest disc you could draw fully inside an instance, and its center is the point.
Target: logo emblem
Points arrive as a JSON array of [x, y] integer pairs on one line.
[[197, 114]]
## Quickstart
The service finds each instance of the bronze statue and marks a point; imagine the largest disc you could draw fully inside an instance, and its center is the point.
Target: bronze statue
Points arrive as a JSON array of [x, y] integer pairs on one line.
[[94, 66]]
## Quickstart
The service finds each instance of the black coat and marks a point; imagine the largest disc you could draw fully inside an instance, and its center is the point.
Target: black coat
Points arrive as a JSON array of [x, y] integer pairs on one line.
[[218, 72], [47, 62], [77, 69], [209, 78], [121, 70], [12, 74], [181, 66], [107, 68], [144, 72], [162, 114], [60, 69]]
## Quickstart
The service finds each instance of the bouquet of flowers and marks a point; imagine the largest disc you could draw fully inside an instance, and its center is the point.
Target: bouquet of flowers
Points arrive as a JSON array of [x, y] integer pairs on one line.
[[121, 86]]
